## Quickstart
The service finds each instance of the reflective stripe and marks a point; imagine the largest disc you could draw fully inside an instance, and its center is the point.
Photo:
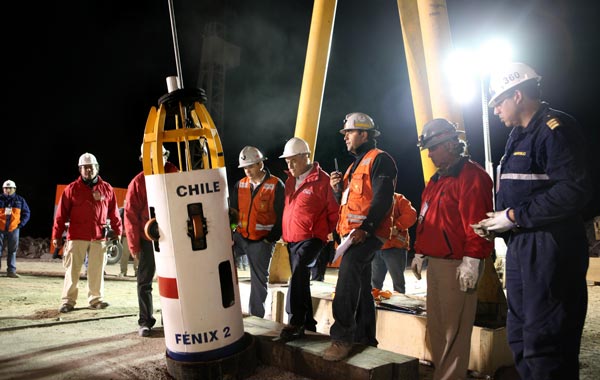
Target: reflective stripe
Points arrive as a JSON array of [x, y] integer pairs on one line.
[[264, 227], [356, 218], [525, 177]]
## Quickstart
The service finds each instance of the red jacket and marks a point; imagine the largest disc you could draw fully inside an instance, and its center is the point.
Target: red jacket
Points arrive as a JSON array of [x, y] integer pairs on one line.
[[311, 211], [403, 217], [136, 213], [86, 209], [449, 204]]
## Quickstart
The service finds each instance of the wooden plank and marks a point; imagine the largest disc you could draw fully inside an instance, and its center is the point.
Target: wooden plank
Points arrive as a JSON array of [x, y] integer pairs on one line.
[[304, 356], [593, 273]]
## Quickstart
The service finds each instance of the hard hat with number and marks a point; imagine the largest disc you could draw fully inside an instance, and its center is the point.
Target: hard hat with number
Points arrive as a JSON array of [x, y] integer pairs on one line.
[[509, 76]]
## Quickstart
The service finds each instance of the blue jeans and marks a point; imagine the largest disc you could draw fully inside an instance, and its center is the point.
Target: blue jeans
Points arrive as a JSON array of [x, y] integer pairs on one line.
[[13, 244], [392, 259]]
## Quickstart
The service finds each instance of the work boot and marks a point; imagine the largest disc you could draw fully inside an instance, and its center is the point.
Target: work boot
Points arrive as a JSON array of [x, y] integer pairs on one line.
[[144, 331], [66, 308], [337, 351], [291, 332], [12, 275], [100, 305]]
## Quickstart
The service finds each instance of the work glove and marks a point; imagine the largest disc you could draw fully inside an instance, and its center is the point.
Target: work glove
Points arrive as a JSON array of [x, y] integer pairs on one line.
[[482, 232], [467, 273], [417, 265], [498, 221]]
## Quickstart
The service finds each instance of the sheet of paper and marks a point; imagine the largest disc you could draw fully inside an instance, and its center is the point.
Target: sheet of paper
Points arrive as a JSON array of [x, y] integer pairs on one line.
[[343, 247]]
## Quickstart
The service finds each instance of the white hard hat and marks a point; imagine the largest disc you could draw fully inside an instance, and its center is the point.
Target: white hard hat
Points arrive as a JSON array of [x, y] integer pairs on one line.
[[360, 121], [9, 183], [87, 159], [295, 146], [436, 132], [509, 76], [250, 156], [165, 152]]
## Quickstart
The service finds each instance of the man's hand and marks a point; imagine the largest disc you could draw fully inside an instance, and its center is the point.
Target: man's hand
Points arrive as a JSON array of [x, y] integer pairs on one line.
[[482, 232], [467, 273], [359, 236], [135, 255], [58, 243], [498, 221], [417, 265], [335, 181]]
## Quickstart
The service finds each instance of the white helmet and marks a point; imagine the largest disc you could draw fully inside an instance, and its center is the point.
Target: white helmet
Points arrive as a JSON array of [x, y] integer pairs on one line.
[[250, 156], [87, 159], [509, 76], [361, 121], [9, 183], [295, 146], [165, 152]]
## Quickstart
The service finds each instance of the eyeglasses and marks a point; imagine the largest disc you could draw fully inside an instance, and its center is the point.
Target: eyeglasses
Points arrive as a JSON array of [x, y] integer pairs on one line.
[[500, 102]]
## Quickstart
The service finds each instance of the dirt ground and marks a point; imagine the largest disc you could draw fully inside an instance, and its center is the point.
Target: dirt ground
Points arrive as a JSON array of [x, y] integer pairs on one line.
[[37, 342]]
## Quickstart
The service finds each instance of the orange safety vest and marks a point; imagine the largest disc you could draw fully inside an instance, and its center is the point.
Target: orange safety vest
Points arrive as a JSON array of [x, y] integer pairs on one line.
[[360, 196], [257, 214], [403, 217]]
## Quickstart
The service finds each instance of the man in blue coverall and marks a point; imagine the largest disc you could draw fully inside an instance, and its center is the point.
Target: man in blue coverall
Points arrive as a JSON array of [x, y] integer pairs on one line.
[[543, 189]]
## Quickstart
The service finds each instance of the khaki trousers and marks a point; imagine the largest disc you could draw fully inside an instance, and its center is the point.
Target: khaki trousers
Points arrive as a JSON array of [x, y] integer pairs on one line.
[[450, 318], [73, 259]]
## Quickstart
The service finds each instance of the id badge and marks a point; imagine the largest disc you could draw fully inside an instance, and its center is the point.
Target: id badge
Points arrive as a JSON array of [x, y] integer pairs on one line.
[[345, 196], [8, 211]]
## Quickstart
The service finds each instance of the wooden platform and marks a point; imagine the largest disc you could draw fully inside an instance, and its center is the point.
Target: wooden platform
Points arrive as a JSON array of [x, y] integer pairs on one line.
[[304, 356], [399, 333]]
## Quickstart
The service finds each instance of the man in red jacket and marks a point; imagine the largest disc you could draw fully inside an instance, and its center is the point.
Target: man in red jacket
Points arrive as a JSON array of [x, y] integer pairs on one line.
[[136, 215], [309, 216], [85, 203], [457, 195]]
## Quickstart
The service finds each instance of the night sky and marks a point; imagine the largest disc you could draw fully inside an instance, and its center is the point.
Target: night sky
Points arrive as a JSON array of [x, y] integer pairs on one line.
[[82, 76]]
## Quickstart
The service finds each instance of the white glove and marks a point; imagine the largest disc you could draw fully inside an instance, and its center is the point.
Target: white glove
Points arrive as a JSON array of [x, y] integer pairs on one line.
[[498, 221], [467, 273], [482, 232], [417, 265]]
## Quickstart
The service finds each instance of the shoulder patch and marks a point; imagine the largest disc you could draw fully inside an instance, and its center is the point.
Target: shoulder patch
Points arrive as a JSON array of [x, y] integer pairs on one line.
[[553, 123]]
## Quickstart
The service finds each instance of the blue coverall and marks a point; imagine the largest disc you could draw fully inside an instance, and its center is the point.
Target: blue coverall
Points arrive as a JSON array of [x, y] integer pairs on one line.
[[543, 178]]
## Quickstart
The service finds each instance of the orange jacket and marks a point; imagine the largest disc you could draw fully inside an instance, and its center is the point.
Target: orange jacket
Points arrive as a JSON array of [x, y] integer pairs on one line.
[[258, 213], [403, 217], [355, 209]]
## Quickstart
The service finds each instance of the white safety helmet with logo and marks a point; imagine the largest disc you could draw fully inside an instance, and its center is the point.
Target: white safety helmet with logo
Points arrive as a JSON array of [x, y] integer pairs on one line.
[[359, 121], [509, 76], [295, 146], [9, 184], [87, 159], [250, 156], [165, 153], [436, 132]]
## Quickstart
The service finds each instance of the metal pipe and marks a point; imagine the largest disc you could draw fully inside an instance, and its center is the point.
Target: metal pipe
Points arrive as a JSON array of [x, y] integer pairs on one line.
[[175, 45]]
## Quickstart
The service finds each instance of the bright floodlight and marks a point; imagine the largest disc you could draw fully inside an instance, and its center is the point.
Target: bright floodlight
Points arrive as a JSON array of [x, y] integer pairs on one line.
[[492, 53], [463, 75]]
